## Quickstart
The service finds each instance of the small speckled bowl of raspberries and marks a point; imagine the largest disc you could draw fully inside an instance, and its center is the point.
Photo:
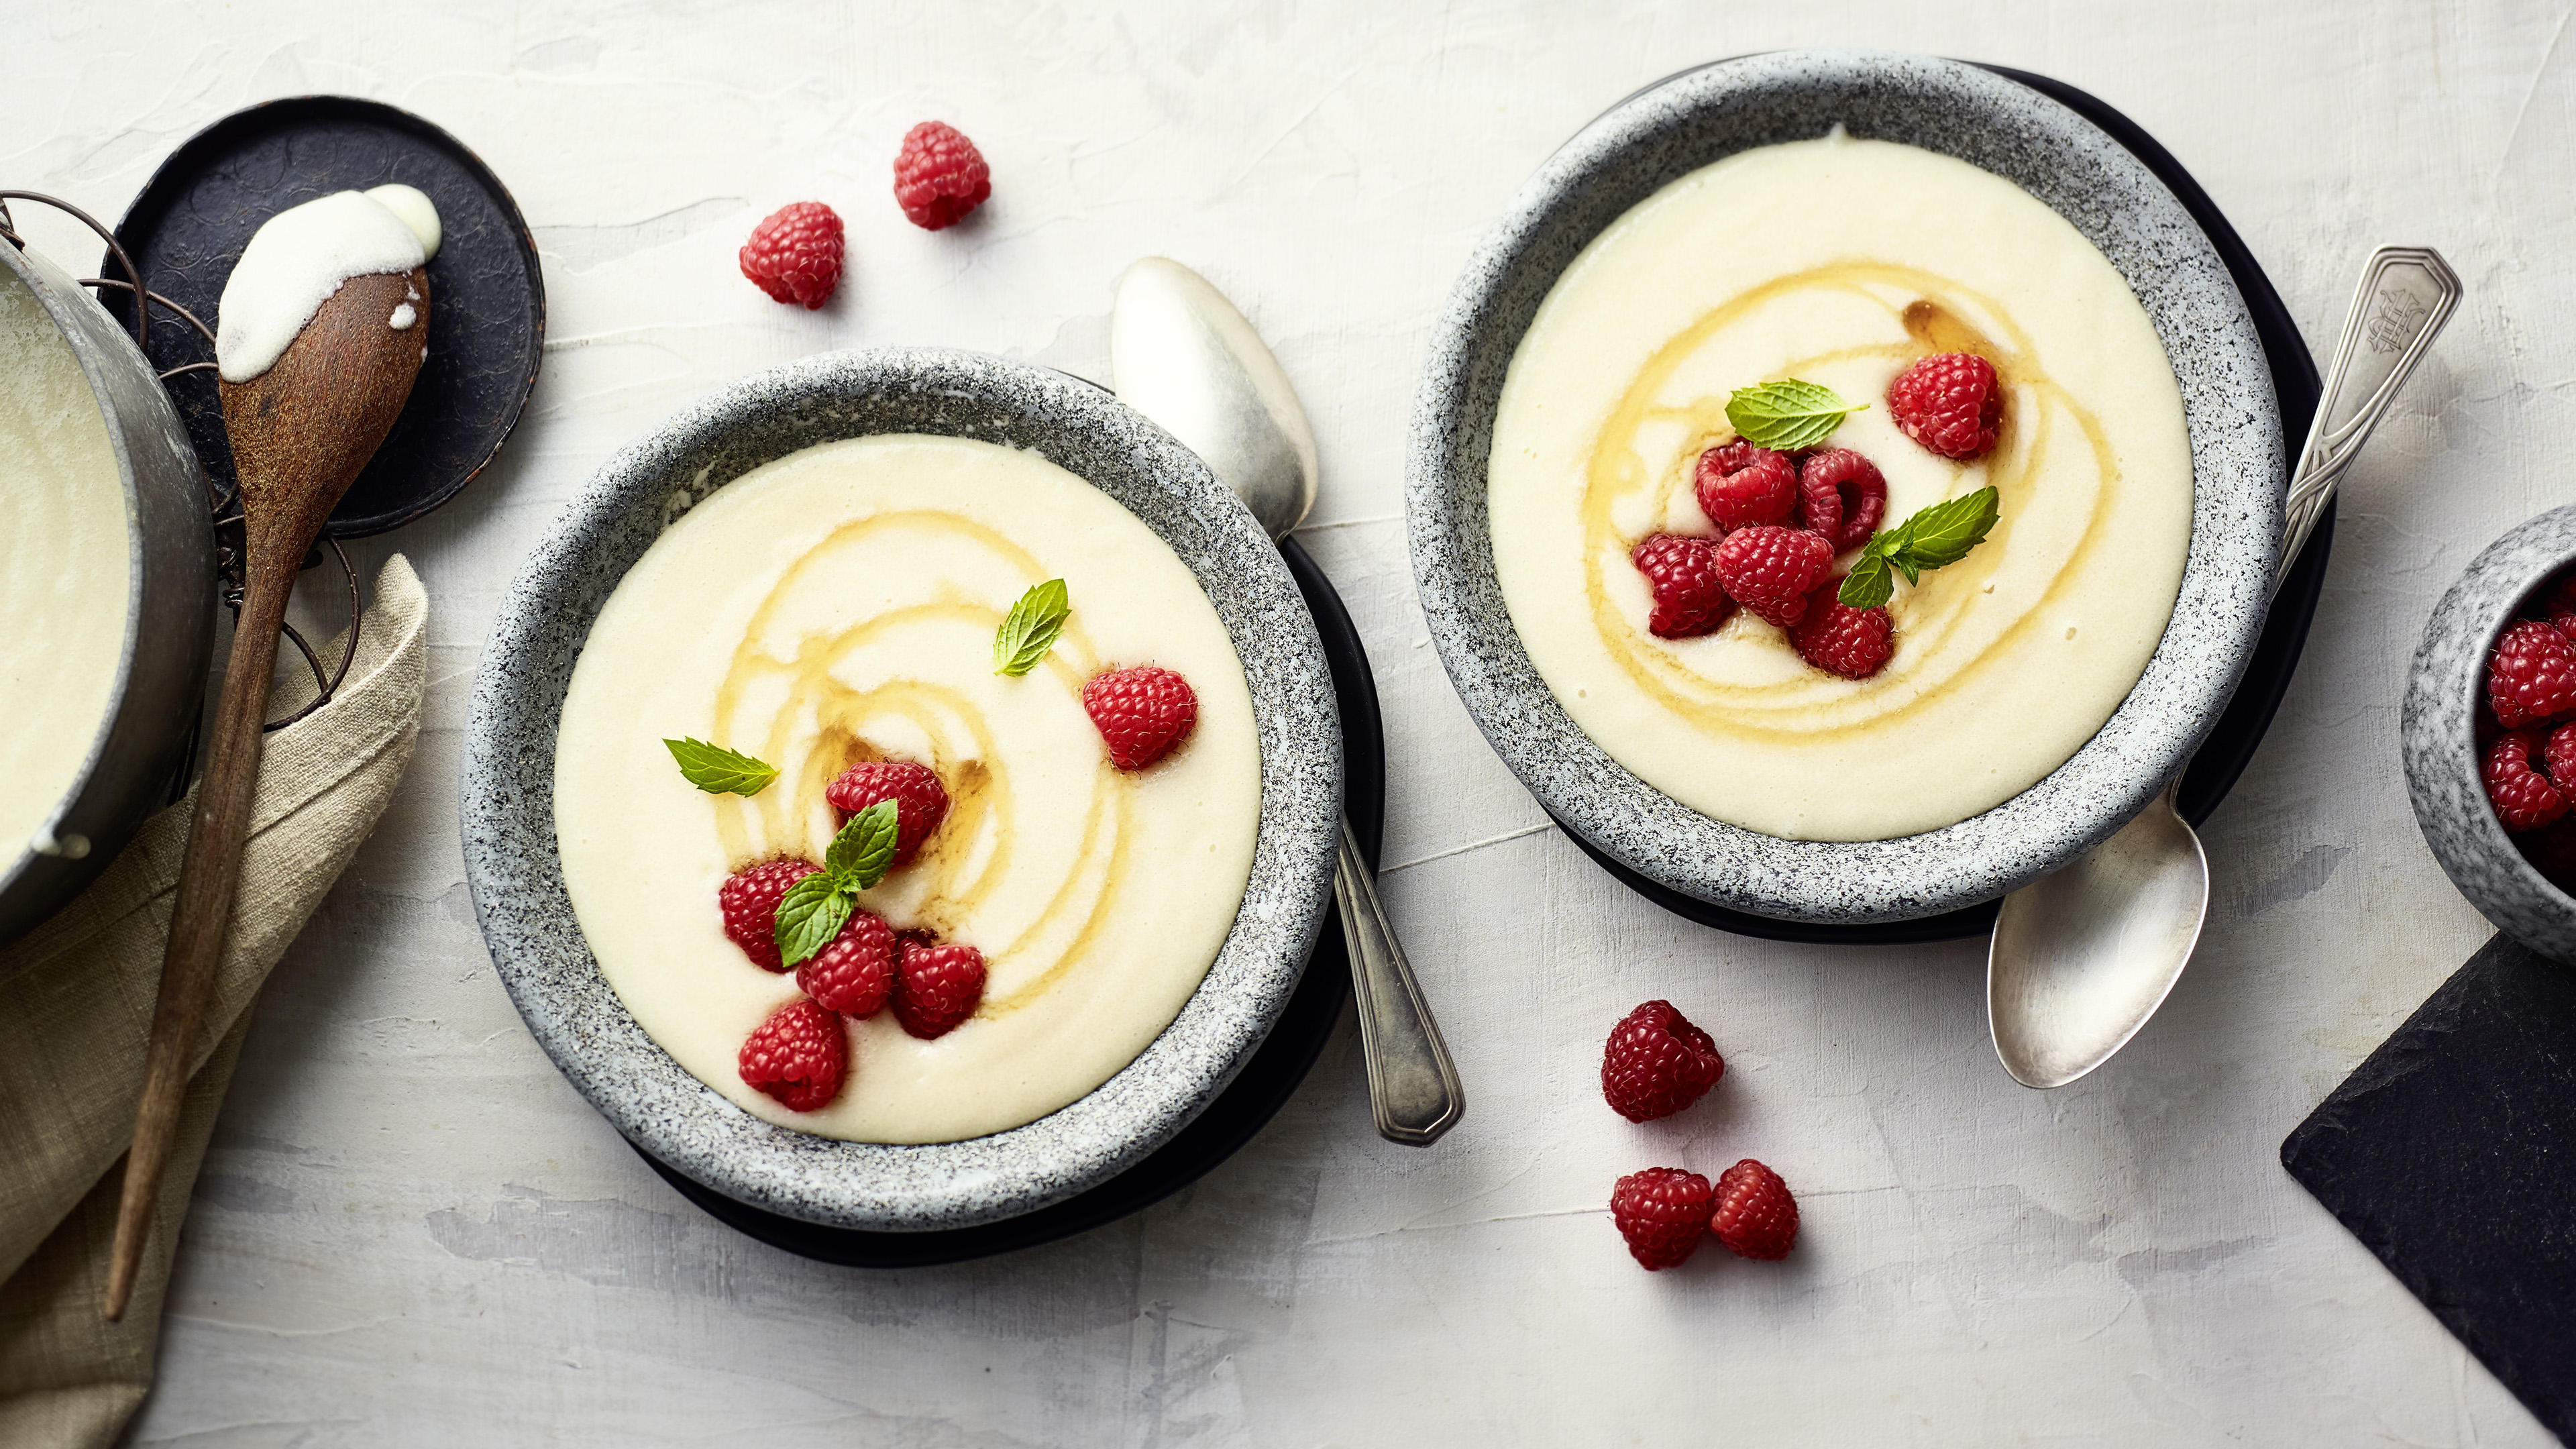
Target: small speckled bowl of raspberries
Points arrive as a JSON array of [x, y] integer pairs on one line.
[[2488, 732]]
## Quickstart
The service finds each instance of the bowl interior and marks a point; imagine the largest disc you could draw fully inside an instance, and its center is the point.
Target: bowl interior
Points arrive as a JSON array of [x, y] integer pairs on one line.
[[2230, 414], [2439, 735], [508, 793]]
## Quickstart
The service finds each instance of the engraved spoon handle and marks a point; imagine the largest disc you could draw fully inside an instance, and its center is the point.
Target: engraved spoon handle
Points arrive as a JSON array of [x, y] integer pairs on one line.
[[2406, 294], [1413, 1085]]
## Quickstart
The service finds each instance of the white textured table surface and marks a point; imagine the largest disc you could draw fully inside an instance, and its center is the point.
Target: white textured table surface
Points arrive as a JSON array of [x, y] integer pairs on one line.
[[411, 1231]]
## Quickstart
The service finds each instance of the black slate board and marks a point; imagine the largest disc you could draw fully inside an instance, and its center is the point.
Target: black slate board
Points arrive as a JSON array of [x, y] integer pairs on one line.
[[1248, 1102], [2451, 1153], [2232, 741], [487, 296]]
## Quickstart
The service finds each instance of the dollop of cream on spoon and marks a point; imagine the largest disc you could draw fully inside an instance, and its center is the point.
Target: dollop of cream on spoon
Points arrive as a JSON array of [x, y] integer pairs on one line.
[[299, 258]]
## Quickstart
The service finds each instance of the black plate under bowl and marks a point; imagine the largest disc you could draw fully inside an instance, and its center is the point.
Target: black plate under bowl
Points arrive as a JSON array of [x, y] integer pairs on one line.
[[1247, 1103], [2232, 741], [487, 296]]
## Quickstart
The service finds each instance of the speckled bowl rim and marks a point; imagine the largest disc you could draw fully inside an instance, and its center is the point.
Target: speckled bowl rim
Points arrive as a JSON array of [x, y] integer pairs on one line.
[[2230, 412], [507, 791], [2437, 733]]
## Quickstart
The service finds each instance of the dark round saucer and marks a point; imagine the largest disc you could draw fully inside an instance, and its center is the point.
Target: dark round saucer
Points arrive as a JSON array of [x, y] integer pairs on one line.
[[487, 295], [2232, 741], [1241, 1110]]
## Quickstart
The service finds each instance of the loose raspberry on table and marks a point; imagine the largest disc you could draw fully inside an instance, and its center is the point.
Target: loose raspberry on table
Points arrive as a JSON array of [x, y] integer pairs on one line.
[[1841, 496], [1769, 570], [920, 801], [1740, 484], [1682, 572], [1756, 1217], [749, 900], [937, 987], [1951, 403], [1839, 639], [1656, 1063], [2531, 675], [795, 254], [854, 972], [939, 176], [1663, 1213], [1143, 713], [799, 1056], [2524, 798]]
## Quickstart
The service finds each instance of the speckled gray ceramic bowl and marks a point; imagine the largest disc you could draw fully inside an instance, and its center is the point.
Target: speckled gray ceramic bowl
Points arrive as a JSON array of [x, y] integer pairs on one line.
[[508, 789], [2238, 476], [2437, 736]]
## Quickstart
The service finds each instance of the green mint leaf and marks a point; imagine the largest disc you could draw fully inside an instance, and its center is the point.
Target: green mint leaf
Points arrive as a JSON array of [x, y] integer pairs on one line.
[[860, 855], [1029, 631], [1867, 585], [810, 915], [1943, 533], [720, 772], [1789, 414]]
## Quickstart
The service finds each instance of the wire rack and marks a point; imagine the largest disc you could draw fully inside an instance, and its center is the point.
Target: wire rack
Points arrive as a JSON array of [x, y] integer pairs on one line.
[[224, 508]]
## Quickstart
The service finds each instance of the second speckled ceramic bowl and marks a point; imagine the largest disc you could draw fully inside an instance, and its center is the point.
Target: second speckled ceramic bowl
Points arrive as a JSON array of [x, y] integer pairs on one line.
[[508, 790], [2239, 477], [2438, 736]]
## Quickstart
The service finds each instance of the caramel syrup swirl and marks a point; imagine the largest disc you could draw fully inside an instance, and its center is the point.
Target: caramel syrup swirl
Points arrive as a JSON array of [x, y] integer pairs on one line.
[[970, 855], [2037, 413]]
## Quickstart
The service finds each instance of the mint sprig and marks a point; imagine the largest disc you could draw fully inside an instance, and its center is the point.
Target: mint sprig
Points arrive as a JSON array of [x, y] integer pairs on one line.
[[1030, 629], [816, 907], [1789, 414], [1934, 537], [720, 771]]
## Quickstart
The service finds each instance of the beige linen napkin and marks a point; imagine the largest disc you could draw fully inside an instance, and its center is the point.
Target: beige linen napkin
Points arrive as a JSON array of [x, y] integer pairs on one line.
[[76, 1000]]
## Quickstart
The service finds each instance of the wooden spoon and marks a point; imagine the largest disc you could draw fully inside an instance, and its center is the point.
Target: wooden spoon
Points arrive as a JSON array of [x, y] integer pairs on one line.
[[300, 432]]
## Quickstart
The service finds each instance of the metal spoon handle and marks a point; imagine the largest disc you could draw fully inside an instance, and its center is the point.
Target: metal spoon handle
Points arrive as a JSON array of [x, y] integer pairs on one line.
[[2406, 294], [1413, 1086]]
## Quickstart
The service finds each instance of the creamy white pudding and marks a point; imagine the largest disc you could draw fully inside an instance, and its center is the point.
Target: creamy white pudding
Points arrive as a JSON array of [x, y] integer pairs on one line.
[[65, 574], [301, 256], [1840, 262], [840, 604]]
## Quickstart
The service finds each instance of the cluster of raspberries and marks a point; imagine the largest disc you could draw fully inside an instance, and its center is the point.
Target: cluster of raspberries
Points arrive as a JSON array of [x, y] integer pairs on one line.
[[1781, 519], [801, 1054], [795, 253], [1657, 1063], [2530, 764]]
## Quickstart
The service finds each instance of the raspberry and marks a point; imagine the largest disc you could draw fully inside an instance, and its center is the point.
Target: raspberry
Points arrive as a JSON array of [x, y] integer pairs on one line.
[[1143, 713], [854, 972], [1756, 1217], [1740, 485], [2524, 798], [800, 1055], [2531, 675], [1841, 496], [920, 802], [1663, 1213], [795, 255], [1657, 1063], [1683, 573], [749, 900], [939, 176], [1950, 403], [1769, 569], [1837, 638], [937, 987]]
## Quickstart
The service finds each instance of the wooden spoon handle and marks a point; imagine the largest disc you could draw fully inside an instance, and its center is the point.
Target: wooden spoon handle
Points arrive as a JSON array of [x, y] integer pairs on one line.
[[208, 875]]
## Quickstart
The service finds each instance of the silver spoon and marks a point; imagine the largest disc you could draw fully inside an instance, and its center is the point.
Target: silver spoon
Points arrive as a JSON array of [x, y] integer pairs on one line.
[[2080, 959], [1182, 355]]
